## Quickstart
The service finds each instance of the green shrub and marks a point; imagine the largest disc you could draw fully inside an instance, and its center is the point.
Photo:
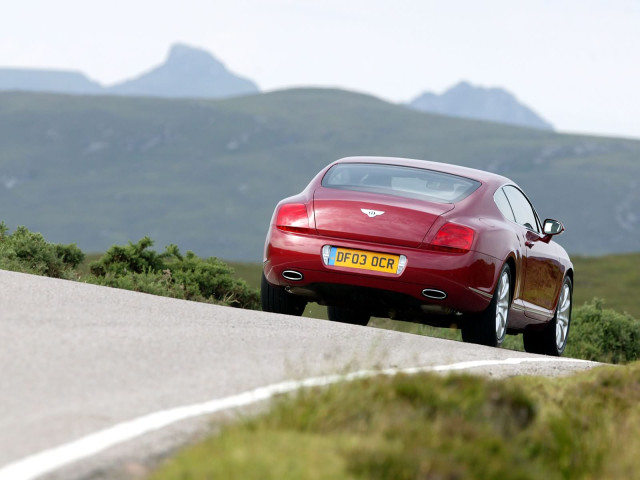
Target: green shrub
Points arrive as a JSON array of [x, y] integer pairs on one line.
[[123, 260], [153, 283], [28, 252], [603, 334], [136, 267]]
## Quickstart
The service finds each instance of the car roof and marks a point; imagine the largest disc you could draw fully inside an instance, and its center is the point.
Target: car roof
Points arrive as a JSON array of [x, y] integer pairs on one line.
[[472, 173]]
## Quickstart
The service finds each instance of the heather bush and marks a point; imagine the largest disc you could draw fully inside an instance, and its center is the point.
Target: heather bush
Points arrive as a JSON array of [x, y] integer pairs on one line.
[[137, 267], [604, 335], [28, 252]]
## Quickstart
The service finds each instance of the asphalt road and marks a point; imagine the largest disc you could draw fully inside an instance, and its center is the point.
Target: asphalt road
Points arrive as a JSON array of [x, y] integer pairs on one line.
[[76, 359]]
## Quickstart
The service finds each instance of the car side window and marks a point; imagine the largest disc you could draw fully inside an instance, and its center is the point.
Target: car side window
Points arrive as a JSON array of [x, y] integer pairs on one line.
[[503, 204], [522, 209]]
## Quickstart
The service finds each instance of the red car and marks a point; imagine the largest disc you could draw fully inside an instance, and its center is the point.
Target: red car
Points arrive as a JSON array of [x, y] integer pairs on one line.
[[424, 242]]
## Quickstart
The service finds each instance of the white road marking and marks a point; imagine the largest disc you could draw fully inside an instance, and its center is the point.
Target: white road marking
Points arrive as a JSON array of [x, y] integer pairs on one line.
[[47, 461]]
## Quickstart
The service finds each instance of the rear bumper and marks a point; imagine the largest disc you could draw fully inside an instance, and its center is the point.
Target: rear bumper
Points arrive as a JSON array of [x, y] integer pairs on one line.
[[467, 279]]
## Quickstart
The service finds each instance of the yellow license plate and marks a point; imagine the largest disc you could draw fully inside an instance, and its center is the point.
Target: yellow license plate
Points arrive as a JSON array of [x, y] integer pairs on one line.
[[363, 260]]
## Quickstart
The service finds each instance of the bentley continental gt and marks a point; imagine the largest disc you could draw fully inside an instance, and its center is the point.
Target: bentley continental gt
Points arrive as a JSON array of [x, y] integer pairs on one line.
[[424, 242]]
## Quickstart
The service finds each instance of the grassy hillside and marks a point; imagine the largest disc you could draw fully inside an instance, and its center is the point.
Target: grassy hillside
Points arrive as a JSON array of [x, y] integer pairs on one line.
[[206, 174], [614, 278]]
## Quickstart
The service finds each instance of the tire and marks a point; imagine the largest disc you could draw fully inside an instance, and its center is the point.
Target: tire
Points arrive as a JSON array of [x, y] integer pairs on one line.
[[348, 315], [553, 339], [490, 327], [278, 300]]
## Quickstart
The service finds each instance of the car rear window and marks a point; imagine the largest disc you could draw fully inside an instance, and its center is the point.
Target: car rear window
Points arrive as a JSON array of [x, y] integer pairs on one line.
[[400, 181]]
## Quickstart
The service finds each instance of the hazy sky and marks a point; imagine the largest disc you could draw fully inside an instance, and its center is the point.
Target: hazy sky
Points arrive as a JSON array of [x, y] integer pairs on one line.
[[576, 62]]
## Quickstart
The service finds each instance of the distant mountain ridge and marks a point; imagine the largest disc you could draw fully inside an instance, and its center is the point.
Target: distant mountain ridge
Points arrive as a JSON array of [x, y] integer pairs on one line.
[[190, 72], [492, 104], [187, 73], [55, 81]]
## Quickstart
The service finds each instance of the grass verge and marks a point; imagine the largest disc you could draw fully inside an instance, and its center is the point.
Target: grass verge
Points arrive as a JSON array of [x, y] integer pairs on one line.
[[434, 427]]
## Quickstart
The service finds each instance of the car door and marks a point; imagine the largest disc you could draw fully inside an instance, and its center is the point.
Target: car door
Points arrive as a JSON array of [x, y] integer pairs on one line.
[[543, 273]]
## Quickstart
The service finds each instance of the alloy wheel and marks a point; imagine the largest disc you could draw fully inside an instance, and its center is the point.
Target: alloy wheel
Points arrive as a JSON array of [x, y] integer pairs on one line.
[[563, 316], [502, 305]]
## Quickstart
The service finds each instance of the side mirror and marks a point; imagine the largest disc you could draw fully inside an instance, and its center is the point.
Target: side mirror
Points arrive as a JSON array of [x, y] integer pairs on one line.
[[552, 227]]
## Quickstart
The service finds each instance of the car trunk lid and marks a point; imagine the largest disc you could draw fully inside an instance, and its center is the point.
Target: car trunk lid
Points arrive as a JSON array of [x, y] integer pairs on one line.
[[373, 217]]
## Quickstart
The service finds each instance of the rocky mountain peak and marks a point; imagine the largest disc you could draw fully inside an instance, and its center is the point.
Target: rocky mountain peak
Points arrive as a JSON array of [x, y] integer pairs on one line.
[[469, 101], [189, 58], [187, 72]]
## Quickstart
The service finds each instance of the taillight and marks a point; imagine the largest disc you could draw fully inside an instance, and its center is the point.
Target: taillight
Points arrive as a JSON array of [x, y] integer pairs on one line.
[[452, 238], [293, 218]]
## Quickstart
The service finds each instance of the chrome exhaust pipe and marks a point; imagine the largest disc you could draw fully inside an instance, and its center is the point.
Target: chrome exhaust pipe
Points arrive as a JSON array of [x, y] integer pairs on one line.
[[292, 275], [434, 294]]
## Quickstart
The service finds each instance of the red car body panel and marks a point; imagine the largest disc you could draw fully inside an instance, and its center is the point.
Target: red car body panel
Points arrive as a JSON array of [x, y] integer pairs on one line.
[[409, 227], [405, 221]]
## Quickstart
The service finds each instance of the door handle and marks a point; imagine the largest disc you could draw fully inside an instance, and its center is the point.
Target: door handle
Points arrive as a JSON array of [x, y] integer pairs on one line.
[[529, 244]]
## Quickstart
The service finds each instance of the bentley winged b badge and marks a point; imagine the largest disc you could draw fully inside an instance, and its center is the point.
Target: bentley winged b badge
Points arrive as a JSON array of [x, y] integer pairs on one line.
[[371, 213]]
